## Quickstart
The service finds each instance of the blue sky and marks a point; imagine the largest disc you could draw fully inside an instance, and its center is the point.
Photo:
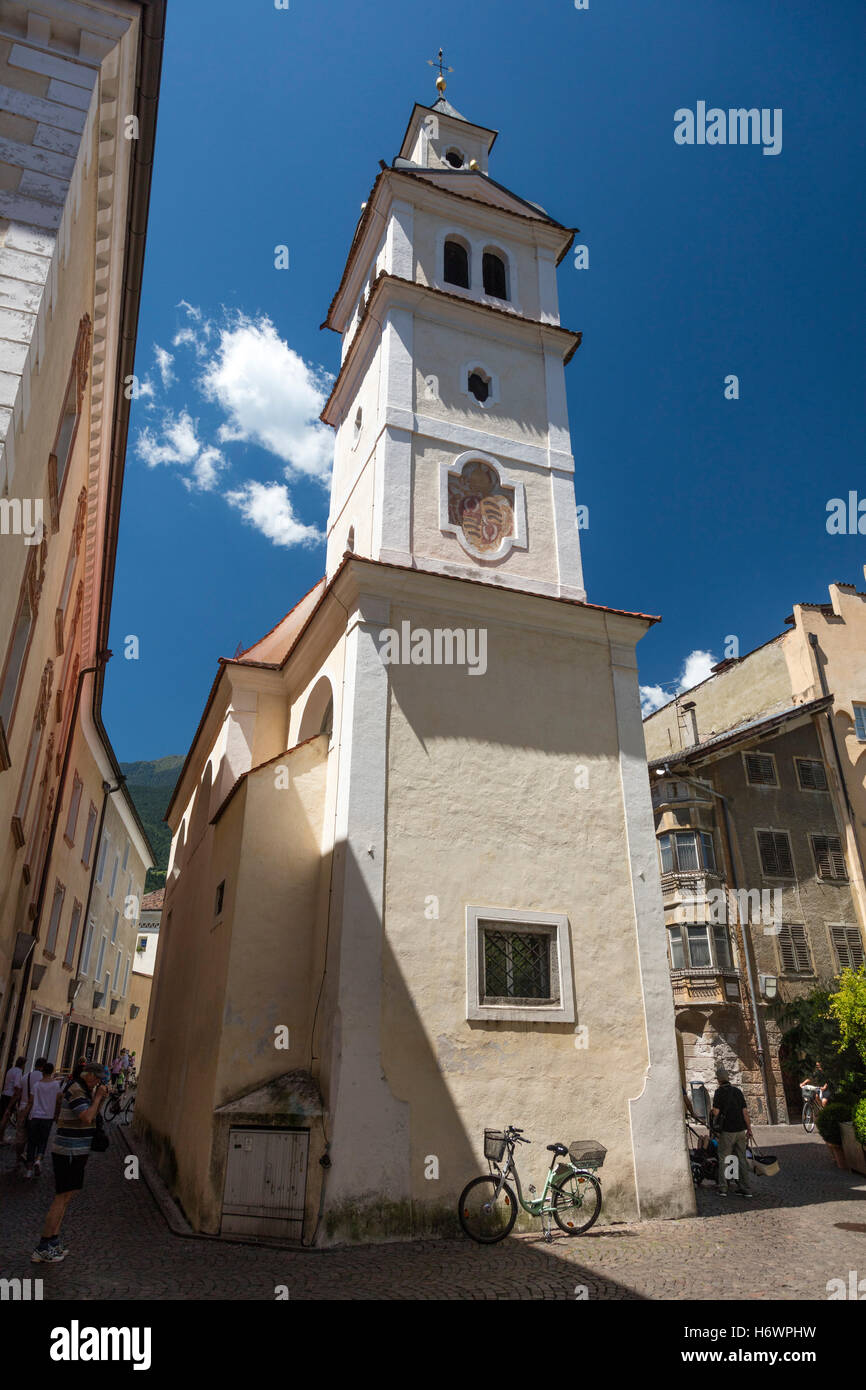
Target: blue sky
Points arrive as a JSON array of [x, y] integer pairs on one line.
[[704, 261]]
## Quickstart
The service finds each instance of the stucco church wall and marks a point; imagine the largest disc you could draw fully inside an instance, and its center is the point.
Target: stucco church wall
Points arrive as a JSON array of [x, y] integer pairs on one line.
[[520, 411], [485, 812], [274, 913]]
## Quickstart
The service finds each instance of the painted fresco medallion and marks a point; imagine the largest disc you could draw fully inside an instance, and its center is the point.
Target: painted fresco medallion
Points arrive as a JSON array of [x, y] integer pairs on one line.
[[481, 507]]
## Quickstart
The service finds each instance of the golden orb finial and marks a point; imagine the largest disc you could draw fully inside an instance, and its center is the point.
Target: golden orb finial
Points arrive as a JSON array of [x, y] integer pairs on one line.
[[441, 84]]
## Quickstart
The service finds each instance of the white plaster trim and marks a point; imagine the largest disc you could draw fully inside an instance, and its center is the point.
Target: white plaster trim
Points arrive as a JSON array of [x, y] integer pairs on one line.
[[663, 1184], [369, 1125], [517, 541], [564, 1011]]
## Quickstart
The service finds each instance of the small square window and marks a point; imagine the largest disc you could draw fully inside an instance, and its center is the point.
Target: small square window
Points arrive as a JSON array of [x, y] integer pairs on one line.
[[518, 966], [811, 774], [761, 770]]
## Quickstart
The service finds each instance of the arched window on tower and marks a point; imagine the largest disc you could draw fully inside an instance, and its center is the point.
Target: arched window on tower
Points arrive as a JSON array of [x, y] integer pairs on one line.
[[456, 267], [495, 275]]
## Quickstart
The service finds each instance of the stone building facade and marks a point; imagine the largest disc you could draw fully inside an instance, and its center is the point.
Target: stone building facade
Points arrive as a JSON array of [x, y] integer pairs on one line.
[[757, 787]]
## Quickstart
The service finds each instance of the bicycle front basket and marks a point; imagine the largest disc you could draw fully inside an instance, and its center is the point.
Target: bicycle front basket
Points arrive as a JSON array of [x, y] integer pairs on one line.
[[494, 1144], [589, 1153]]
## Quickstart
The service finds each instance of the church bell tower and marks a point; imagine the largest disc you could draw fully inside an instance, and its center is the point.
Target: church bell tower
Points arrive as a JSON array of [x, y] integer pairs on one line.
[[453, 452]]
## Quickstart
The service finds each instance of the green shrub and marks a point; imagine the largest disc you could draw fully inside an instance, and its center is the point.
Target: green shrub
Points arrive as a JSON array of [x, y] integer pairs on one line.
[[848, 1007], [859, 1118], [829, 1119]]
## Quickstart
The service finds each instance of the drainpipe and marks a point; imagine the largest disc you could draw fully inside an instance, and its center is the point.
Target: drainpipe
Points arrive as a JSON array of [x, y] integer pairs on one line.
[[762, 1061], [102, 657], [825, 690]]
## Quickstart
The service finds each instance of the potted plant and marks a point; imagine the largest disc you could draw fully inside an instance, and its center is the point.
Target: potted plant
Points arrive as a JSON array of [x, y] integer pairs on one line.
[[854, 1138], [829, 1121]]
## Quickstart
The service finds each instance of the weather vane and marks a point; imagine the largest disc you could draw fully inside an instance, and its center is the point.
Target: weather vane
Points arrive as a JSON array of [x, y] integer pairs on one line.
[[441, 84]]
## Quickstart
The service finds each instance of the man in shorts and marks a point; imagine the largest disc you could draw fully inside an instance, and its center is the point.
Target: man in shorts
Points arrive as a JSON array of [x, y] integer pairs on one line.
[[77, 1106]]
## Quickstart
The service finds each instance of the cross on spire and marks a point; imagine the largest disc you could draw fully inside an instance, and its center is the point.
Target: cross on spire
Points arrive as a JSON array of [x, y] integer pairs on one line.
[[440, 80]]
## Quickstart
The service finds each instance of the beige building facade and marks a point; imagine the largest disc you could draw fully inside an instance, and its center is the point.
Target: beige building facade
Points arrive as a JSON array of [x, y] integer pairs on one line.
[[413, 888], [77, 124], [758, 788]]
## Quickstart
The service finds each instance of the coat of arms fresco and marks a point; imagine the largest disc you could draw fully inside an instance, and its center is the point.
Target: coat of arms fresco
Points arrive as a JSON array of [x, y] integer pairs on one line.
[[481, 506]]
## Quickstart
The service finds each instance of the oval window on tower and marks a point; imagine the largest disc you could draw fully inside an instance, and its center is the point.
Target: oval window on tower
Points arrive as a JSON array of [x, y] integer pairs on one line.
[[479, 385], [455, 159], [456, 264]]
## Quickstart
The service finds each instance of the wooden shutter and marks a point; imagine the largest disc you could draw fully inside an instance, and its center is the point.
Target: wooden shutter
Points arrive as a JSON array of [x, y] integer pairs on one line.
[[812, 774], [794, 948], [829, 859], [848, 945], [775, 851], [760, 770]]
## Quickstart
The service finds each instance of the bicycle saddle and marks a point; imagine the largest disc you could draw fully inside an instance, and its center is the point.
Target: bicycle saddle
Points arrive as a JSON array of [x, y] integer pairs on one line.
[[558, 1149]]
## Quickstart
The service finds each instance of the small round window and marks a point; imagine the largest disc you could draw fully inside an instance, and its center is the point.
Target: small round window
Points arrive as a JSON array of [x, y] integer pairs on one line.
[[455, 159], [479, 385]]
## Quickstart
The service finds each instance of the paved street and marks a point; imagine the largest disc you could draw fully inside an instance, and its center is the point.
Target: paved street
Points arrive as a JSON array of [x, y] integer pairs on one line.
[[807, 1226]]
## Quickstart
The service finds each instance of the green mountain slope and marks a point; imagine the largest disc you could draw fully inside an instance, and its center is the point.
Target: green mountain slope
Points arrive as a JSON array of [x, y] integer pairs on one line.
[[151, 785]]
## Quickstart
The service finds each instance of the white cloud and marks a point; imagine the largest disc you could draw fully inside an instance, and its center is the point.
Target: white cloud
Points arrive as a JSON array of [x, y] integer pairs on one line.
[[164, 360], [184, 335], [179, 444], [267, 506], [697, 667], [271, 397], [191, 310]]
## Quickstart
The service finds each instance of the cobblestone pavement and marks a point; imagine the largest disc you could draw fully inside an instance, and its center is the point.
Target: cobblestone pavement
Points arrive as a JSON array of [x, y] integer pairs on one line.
[[807, 1225]]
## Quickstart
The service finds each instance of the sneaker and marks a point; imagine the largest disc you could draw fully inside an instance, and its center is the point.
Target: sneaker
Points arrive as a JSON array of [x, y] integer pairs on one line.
[[37, 1167], [50, 1256], [28, 1172]]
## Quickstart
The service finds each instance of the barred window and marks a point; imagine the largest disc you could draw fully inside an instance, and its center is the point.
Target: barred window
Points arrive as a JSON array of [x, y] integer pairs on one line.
[[774, 847], [829, 859], [811, 774], [516, 965], [794, 950], [761, 770], [848, 945], [860, 722]]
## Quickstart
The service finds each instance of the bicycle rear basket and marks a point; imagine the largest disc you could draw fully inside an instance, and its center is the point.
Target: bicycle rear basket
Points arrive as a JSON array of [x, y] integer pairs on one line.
[[494, 1144], [588, 1152]]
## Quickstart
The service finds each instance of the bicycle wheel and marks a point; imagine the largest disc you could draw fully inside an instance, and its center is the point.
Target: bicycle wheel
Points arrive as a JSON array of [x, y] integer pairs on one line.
[[112, 1109], [577, 1203], [808, 1117], [484, 1216], [129, 1110]]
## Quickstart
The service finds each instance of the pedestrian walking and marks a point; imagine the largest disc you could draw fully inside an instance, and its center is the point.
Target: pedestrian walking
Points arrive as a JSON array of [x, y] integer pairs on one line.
[[734, 1129], [28, 1081], [11, 1091], [80, 1100], [44, 1105]]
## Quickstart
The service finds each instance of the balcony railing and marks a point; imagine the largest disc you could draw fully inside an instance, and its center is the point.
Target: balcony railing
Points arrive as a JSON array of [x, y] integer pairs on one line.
[[707, 984]]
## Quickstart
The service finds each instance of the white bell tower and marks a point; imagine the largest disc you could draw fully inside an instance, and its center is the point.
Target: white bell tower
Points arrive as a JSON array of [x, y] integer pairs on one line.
[[453, 452]]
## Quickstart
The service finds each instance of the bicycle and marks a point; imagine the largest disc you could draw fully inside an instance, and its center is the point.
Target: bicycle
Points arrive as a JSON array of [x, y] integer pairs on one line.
[[487, 1209], [811, 1106], [120, 1104]]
